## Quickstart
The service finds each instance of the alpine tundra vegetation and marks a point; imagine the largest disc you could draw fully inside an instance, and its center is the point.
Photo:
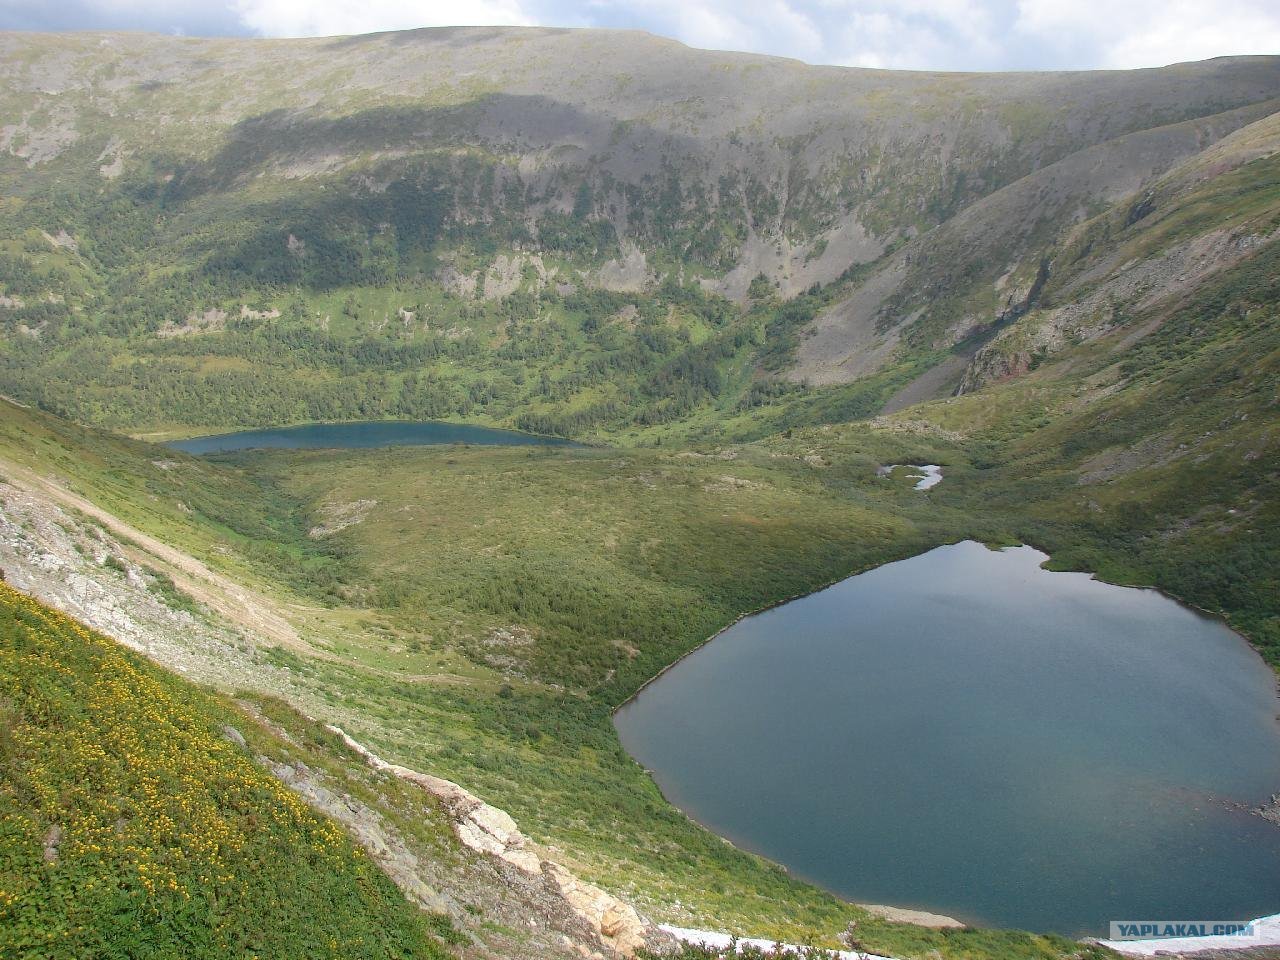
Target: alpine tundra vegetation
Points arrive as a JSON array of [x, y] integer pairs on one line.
[[366, 706]]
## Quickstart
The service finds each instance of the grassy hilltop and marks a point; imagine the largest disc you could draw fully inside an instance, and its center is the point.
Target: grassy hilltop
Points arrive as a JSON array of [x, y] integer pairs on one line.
[[131, 825]]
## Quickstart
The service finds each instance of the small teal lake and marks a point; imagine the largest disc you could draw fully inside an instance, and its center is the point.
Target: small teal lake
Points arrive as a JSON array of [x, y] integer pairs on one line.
[[376, 433], [966, 733]]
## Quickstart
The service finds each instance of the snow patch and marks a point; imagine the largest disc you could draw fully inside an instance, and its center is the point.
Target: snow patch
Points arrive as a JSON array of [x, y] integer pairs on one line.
[[930, 474], [714, 940]]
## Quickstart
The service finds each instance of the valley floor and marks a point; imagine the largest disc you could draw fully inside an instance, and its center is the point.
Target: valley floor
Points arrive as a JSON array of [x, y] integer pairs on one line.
[[477, 613], [451, 683]]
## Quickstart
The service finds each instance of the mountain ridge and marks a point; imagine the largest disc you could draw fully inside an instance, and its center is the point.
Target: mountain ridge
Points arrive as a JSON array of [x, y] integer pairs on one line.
[[422, 220]]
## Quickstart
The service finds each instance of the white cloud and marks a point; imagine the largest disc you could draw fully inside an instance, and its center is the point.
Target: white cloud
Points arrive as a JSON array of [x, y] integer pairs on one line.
[[912, 34], [319, 18], [768, 26], [918, 34], [937, 34], [1149, 33], [971, 34]]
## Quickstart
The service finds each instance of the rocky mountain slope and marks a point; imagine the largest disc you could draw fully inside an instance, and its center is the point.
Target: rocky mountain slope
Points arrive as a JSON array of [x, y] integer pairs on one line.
[[210, 782], [570, 231], [991, 262], [661, 146], [136, 819]]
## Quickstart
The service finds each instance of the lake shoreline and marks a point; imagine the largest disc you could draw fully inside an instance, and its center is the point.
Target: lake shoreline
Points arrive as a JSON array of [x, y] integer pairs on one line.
[[174, 435], [1216, 615], [902, 914], [363, 435], [773, 606], [944, 920]]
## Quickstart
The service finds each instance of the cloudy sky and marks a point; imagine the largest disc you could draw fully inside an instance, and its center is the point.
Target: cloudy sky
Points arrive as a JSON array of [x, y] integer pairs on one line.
[[921, 34]]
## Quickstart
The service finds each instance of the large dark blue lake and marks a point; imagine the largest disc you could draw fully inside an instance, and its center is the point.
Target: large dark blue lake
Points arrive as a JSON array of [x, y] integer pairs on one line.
[[966, 733], [377, 433]]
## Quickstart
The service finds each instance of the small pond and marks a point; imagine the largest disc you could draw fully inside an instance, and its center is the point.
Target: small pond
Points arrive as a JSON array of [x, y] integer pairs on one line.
[[374, 433]]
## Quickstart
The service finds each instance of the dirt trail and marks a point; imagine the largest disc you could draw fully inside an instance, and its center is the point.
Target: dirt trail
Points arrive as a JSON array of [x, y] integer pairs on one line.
[[241, 605]]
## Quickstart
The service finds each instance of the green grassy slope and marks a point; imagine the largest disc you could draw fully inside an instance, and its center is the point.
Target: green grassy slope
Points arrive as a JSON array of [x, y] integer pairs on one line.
[[618, 561], [226, 518], [130, 825]]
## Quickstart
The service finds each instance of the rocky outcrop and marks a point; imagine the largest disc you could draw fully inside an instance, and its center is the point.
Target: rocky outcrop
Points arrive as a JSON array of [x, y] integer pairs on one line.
[[248, 313], [62, 241], [507, 275], [212, 320], [67, 561], [616, 923], [111, 159], [612, 924], [456, 282], [794, 266], [378, 838], [40, 138], [503, 278], [992, 365], [1120, 292], [336, 517], [1270, 811], [628, 273]]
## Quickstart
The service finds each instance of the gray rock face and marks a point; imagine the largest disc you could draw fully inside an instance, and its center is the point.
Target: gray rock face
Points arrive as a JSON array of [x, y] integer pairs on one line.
[[368, 828], [82, 570], [234, 735], [52, 838], [1105, 297], [606, 921], [993, 249]]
